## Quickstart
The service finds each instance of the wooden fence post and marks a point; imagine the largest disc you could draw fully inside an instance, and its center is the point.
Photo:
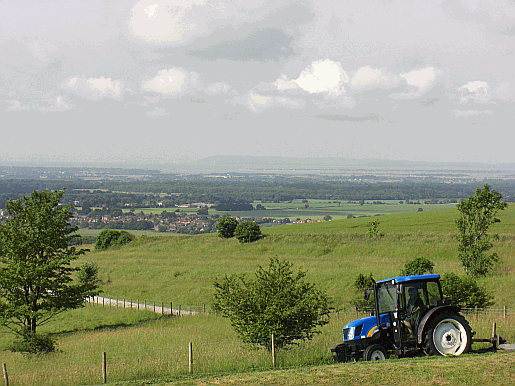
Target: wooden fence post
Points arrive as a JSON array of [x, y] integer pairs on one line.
[[104, 367], [124, 304], [6, 377], [137, 300], [190, 357], [179, 310], [162, 308], [273, 351], [154, 307], [171, 309], [504, 312], [203, 308]]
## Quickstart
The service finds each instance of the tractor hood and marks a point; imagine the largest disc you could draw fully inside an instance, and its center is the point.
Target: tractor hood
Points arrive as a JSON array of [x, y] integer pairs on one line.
[[364, 328]]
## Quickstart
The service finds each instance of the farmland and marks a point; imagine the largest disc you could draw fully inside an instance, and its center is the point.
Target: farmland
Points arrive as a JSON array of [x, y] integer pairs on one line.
[[144, 347]]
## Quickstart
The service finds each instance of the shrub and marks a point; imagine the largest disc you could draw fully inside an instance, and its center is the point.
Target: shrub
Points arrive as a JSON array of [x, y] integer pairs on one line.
[[364, 285], [418, 266], [226, 226], [88, 273], [110, 237], [248, 232], [464, 291], [278, 301], [32, 343]]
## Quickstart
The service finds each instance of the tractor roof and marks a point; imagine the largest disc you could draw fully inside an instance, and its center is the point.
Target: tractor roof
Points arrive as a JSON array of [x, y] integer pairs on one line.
[[403, 279]]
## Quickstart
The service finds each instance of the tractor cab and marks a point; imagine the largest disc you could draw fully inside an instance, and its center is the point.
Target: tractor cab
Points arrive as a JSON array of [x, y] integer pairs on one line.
[[411, 317], [406, 299]]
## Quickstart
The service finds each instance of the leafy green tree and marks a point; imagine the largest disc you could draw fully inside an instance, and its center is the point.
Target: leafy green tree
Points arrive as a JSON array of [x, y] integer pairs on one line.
[[88, 273], [110, 237], [35, 267], [226, 226], [248, 232], [477, 213], [464, 291], [278, 301], [418, 266]]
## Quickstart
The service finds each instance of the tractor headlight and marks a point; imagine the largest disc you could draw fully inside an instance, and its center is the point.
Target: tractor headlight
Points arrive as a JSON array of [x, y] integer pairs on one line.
[[351, 333]]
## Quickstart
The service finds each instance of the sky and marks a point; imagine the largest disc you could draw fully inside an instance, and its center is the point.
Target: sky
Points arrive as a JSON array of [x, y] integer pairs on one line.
[[165, 82]]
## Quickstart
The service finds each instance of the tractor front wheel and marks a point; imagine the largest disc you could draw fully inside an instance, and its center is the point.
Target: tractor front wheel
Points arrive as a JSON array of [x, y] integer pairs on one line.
[[375, 352], [448, 335]]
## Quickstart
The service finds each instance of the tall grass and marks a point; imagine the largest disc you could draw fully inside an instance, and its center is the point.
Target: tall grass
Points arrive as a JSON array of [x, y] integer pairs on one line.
[[158, 350]]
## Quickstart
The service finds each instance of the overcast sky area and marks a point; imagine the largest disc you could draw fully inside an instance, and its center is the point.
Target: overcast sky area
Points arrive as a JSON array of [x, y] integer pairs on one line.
[[170, 81]]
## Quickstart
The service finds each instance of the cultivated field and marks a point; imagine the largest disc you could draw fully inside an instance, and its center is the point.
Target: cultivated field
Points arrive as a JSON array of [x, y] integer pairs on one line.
[[144, 347]]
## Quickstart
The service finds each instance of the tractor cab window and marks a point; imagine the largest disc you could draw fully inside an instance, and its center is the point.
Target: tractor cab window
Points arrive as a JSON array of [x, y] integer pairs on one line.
[[433, 293], [387, 298]]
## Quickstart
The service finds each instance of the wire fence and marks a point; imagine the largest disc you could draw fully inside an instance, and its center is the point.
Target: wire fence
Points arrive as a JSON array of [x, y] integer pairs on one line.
[[201, 356]]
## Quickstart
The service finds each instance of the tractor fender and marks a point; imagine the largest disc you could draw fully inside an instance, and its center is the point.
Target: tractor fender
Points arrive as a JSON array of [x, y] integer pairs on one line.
[[428, 315]]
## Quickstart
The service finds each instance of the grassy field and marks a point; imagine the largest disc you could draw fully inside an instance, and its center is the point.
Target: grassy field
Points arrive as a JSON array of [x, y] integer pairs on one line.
[[182, 269], [142, 347], [317, 209]]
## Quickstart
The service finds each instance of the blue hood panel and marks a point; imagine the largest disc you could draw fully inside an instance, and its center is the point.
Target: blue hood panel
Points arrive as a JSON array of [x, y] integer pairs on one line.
[[369, 327]]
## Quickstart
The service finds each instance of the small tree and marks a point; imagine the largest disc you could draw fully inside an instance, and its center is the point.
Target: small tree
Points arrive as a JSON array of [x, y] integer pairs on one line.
[[248, 232], [418, 266], [35, 275], [464, 291], [226, 226], [477, 213], [373, 229], [277, 301]]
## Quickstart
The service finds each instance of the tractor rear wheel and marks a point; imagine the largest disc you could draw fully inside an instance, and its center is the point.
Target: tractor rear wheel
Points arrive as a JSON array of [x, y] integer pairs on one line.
[[448, 335], [375, 352]]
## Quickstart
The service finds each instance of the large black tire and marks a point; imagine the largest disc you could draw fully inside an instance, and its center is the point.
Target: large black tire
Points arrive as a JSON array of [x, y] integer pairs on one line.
[[375, 352], [448, 335]]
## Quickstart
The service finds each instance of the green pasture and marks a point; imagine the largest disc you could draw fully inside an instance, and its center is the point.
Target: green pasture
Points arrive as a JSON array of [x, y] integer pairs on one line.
[[317, 209], [145, 348], [182, 269]]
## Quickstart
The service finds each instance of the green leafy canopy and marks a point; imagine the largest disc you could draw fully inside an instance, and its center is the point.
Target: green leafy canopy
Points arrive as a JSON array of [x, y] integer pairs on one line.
[[35, 273], [278, 301]]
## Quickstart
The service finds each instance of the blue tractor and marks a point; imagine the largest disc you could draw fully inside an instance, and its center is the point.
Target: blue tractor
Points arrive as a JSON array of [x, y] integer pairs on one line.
[[411, 317]]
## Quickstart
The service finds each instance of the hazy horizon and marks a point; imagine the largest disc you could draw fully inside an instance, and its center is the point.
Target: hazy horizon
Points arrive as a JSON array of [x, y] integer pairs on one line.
[[164, 82]]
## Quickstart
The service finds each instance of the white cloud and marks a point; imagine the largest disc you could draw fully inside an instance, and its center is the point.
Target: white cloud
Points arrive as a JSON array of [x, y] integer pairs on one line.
[[172, 82], [283, 83], [177, 22], [323, 76], [419, 81], [475, 91], [95, 88], [368, 77]]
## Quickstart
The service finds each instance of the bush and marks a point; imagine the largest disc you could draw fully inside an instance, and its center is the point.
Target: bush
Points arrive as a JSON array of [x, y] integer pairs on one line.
[[88, 273], [277, 301], [418, 266], [226, 226], [464, 291], [363, 284], [248, 232], [32, 343], [110, 237]]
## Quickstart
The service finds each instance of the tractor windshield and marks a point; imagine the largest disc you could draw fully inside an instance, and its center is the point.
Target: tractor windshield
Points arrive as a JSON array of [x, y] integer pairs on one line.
[[387, 297]]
